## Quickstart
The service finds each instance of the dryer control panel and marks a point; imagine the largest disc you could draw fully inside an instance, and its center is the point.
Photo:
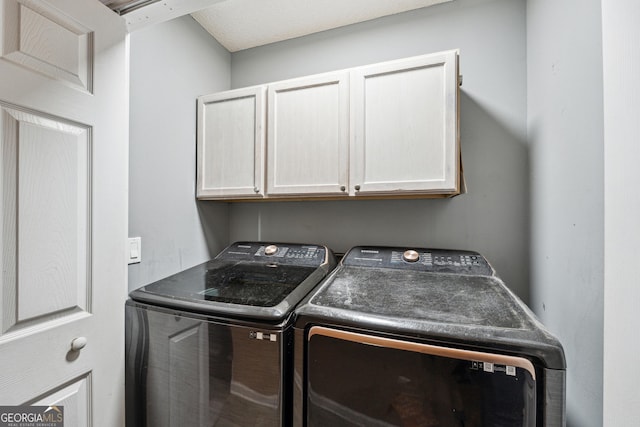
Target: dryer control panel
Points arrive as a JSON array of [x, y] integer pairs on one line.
[[419, 259]]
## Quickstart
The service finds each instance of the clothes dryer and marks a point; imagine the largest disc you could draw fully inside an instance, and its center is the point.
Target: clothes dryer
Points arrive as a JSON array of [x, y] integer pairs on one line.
[[423, 337]]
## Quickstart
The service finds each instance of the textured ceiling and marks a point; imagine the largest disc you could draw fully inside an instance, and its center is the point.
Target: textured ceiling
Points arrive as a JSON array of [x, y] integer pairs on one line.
[[242, 24]]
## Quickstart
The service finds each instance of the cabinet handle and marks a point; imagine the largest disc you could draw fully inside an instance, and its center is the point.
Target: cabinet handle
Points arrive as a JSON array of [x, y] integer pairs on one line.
[[357, 187], [78, 343], [343, 188], [256, 189]]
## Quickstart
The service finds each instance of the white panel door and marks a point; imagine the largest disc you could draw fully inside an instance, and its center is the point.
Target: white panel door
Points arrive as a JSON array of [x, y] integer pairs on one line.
[[230, 143], [404, 129], [308, 136], [63, 207]]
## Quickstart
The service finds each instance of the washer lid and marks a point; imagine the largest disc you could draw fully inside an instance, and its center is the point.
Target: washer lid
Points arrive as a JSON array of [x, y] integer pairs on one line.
[[247, 279]]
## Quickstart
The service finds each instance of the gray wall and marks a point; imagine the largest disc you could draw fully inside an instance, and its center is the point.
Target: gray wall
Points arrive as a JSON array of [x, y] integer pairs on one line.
[[493, 217], [565, 133], [171, 64]]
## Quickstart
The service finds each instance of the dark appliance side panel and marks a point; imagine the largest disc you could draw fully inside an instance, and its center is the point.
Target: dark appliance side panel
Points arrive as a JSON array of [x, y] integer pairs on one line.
[[195, 371], [555, 398], [136, 356]]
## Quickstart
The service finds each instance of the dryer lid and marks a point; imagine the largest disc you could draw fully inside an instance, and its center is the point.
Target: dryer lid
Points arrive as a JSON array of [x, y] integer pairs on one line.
[[428, 293]]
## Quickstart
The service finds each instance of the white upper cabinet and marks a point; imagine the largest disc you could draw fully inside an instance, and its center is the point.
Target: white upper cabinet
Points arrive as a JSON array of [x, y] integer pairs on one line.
[[308, 136], [231, 144], [383, 130], [405, 127]]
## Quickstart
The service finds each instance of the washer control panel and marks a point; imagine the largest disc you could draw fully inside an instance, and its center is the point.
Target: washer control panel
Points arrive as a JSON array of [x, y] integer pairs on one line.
[[420, 259], [284, 253]]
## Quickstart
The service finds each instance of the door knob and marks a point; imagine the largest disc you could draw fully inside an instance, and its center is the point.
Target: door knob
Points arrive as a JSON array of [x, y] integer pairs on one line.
[[78, 343]]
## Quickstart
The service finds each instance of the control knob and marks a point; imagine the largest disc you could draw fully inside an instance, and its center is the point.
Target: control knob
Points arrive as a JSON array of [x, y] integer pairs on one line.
[[270, 250], [410, 256]]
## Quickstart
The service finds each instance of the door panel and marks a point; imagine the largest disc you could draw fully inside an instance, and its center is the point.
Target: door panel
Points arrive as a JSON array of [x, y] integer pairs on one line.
[[405, 130], [47, 192], [308, 136], [63, 207], [41, 38], [398, 98], [74, 397], [231, 143]]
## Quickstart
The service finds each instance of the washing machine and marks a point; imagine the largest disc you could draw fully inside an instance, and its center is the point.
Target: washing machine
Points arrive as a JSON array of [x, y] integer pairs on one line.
[[212, 345], [423, 337]]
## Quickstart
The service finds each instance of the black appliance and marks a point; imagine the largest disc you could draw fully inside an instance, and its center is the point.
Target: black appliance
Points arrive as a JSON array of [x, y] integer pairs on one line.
[[211, 346], [422, 337]]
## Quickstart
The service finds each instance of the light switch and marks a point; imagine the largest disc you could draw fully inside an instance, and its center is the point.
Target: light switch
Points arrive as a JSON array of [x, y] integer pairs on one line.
[[135, 250]]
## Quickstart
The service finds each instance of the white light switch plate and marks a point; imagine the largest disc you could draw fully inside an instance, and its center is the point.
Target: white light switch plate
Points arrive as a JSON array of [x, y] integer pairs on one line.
[[135, 250]]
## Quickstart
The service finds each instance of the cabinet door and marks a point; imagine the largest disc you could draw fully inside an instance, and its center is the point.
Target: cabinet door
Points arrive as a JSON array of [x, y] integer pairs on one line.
[[405, 130], [308, 138], [231, 141]]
